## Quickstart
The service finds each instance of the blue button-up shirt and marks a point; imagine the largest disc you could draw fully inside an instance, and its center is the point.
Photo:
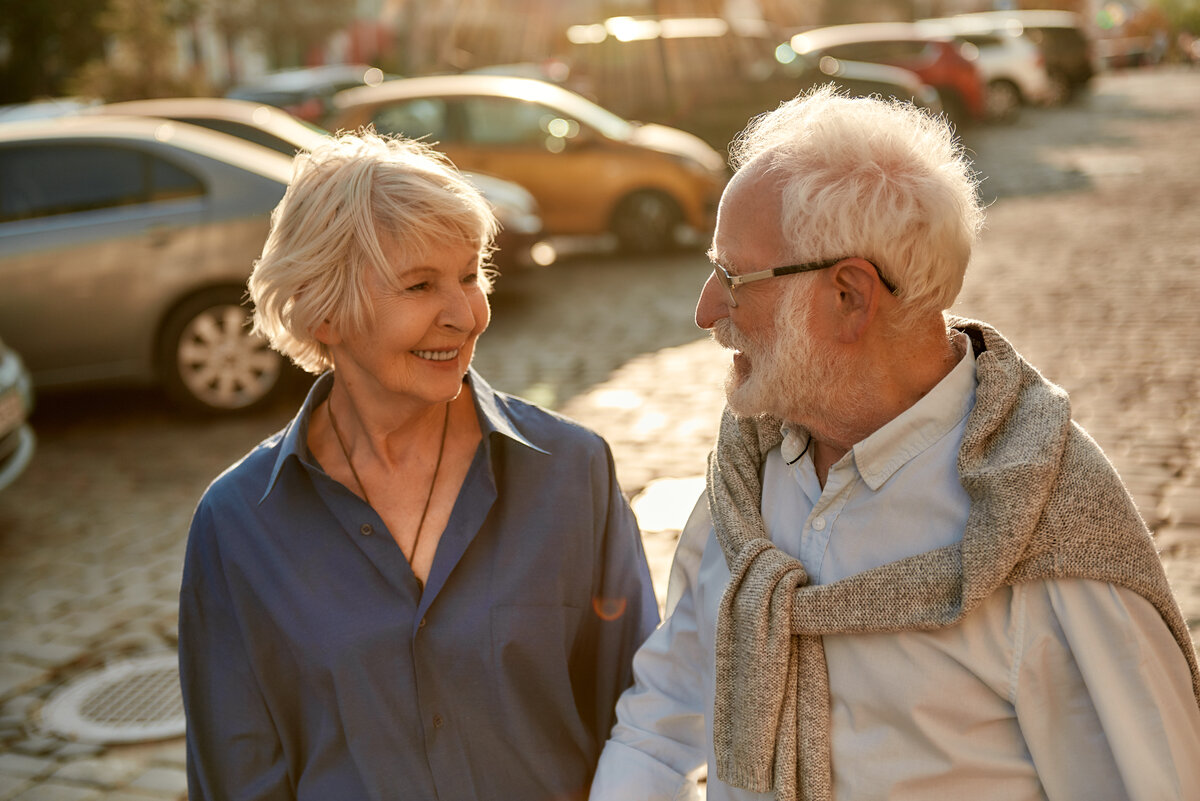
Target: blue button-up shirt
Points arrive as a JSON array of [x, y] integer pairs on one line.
[[314, 666]]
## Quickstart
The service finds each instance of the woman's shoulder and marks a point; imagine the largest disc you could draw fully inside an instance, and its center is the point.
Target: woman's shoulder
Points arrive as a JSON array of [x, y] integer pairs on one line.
[[542, 426], [247, 479]]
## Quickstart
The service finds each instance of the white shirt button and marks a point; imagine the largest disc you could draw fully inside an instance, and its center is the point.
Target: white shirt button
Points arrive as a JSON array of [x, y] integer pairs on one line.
[[818, 524]]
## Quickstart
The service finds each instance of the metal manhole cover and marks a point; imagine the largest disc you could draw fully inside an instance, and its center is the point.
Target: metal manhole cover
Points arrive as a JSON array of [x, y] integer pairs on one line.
[[134, 700]]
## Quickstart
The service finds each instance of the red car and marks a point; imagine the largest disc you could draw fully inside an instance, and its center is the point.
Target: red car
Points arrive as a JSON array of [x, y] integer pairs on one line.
[[938, 60]]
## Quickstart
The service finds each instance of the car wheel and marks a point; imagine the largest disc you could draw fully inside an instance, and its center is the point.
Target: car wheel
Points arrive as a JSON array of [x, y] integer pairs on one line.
[[646, 222], [1060, 89], [1003, 101], [209, 360]]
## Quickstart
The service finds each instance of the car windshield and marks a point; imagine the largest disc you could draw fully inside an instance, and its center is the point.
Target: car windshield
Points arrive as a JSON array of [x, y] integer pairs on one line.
[[584, 110]]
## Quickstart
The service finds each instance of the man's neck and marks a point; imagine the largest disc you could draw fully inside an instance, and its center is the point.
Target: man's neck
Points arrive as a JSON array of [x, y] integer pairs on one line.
[[905, 378], [825, 456]]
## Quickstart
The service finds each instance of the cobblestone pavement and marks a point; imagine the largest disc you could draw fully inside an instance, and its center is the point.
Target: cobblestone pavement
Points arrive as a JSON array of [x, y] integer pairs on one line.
[[1089, 264]]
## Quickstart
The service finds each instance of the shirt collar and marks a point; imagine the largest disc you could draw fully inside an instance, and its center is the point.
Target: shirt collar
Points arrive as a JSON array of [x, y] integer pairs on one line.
[[294, 439], [492, 409], [885, 451], [495, 414]]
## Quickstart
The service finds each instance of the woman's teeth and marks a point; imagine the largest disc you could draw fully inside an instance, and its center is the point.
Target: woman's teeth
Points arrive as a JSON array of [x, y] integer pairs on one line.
[[437, 355]]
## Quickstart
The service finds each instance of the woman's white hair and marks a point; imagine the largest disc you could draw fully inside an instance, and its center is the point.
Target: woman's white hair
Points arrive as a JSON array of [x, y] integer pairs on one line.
[[347, 199], [877, 179]]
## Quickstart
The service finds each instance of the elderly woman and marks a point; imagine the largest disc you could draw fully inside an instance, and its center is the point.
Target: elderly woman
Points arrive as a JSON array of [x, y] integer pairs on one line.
[[420, 588]]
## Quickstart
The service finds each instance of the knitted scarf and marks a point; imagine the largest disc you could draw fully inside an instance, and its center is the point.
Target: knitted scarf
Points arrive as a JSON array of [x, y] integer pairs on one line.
[[1045, 503]]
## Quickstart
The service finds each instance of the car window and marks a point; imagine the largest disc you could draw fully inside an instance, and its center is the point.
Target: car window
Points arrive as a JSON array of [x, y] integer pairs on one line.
[[506, 121], [48, 180], [168, 181], [981, 40], [250, 133], [1066, 39], [423, 117], [893, 51]]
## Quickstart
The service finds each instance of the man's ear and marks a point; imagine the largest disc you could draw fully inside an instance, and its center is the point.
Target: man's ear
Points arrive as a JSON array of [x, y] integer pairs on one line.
[[858, 294]]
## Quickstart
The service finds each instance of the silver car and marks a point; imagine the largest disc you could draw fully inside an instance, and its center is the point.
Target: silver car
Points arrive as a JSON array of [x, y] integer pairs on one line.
[[125, 244]]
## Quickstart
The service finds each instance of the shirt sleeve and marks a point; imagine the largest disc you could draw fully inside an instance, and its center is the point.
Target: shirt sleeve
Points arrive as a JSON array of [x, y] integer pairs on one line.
[[233, 751], [659, 742], [1103, 694]]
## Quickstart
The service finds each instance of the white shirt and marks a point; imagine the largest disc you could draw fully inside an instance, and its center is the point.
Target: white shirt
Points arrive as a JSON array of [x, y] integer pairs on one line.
[[1064, 689]]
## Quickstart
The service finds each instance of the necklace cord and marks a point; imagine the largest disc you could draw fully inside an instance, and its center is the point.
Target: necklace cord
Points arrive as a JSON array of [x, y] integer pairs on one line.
[[362, 489]]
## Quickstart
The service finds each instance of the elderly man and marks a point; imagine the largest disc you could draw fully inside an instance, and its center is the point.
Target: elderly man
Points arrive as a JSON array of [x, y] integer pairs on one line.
[[913, 576]]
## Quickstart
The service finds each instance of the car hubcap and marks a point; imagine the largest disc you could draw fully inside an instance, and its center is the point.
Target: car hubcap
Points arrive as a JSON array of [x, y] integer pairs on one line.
[[221, 363], [648, 223], [1003, 101]]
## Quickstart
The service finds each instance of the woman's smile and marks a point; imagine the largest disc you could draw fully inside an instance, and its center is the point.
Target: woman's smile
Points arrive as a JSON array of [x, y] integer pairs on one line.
[[436, 355]]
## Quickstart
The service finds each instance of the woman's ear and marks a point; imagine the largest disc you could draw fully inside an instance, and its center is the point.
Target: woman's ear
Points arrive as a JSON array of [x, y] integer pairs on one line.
[[326, 334]]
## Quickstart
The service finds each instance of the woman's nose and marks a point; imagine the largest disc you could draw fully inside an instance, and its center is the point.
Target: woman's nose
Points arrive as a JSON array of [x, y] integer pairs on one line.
[[458, 312]]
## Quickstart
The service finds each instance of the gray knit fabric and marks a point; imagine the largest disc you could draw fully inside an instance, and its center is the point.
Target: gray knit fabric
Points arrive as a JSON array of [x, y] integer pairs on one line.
[[1045, 503]]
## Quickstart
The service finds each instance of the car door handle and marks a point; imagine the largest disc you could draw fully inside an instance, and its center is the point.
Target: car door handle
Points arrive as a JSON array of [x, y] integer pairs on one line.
[[159, 236]]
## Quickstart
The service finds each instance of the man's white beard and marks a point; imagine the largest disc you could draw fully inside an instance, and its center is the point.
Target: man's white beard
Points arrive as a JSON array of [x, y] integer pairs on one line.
[[796, 378]]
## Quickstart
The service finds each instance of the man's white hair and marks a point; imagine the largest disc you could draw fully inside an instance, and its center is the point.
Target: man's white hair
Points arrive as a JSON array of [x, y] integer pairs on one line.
[[346, 200], [877, 179]]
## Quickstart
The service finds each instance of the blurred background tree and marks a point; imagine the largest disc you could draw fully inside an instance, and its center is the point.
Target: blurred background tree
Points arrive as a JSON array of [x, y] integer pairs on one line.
[[140, 59], [42, 45]]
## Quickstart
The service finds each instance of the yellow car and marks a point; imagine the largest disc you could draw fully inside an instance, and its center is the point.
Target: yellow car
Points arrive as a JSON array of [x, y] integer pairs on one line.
[[591, 171]]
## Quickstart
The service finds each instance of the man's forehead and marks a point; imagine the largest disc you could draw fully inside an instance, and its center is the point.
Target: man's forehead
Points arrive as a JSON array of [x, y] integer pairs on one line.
[[748, 220]]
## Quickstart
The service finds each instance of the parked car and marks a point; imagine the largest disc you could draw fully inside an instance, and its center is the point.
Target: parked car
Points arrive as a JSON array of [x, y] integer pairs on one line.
[[863, 78], [591, 171], [17, 442], [707, 75], [1013, 67], [260, 123], [307, 92], [125, 245], [1066, 43], [937, 59], [43, 108], [520, 241]]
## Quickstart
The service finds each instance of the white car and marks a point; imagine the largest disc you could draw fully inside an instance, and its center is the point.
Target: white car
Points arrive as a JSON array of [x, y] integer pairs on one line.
[[16, 404], [1012, 65]]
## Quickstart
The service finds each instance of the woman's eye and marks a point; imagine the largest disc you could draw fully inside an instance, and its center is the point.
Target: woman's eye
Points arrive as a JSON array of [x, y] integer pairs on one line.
[[471, 278], [419, 287]]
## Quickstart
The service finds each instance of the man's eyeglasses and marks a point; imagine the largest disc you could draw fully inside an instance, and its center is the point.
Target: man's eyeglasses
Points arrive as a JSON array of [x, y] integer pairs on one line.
[[730, 281]]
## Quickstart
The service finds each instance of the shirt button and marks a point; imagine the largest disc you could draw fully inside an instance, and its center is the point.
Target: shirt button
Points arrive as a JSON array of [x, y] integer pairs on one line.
[[819, 524], [366, 530], [421, 625], [437, 721]]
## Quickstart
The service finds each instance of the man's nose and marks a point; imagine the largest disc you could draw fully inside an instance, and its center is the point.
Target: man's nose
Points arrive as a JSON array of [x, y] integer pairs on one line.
[[713, 303]]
